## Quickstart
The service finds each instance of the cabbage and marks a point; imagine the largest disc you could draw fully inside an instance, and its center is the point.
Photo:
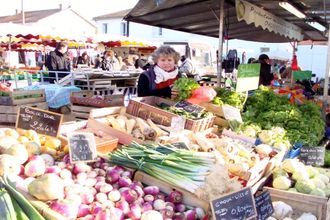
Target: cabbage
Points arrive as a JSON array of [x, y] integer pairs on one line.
[[297, 175], [305, 186], [327, 192], [290, 165], [292, 190], [318, 183], [282, 182], [318, 192], [312, 171], [279, 172], [323, 177]]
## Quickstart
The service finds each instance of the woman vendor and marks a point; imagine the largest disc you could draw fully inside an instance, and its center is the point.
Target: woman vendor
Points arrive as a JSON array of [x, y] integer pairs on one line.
[[159, 78]]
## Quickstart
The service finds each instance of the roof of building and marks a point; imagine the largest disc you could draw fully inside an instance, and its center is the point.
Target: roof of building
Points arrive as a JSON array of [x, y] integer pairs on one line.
[[118, 14], [30, 16]]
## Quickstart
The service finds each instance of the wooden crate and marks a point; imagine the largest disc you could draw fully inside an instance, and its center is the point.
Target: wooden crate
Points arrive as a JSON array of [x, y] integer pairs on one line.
[[218, 112], [146, 108], [188, 197], [97, 116], [81, 112], [302, 202], [20, 97], [86, 98], [105, 142], [8, 114]]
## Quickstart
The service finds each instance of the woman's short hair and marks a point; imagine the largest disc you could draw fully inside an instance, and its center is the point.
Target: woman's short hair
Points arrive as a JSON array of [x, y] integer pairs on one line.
[[61, 44], [165, 51]]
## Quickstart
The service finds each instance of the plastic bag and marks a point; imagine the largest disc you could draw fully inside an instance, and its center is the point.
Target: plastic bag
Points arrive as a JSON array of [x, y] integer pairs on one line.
[[202, 94]]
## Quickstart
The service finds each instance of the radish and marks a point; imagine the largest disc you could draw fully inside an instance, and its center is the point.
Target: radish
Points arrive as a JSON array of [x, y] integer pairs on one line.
[[87, 198], [112, 176], [124, 206], [129, 195], [35, 167], [124, 181], [159, 204], [53, 169], [175, 197], [49, 160], [65, 207], [135, 212]]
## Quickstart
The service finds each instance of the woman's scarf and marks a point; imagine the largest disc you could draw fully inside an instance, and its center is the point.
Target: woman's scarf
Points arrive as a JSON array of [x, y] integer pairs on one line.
[[163, 76]]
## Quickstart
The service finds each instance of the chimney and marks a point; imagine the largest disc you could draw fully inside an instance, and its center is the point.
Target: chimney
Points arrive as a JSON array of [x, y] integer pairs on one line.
[[61, 7]]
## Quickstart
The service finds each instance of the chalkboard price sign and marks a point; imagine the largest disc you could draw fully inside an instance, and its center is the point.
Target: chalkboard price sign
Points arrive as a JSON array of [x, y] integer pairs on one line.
[[238, 205], [82, 147], [264, 205], [188, 107], [312, 155], [41, 121]]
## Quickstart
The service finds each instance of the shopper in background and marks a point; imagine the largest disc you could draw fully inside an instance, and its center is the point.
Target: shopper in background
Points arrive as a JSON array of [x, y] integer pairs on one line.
[[84, 59], [109, 61], [187, 67], [251, 60], [58, 60], [159, 78], [266, 76]]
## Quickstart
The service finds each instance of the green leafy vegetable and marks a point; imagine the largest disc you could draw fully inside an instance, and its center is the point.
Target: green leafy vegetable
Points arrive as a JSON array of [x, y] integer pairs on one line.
[[185, 86], [232, 98]]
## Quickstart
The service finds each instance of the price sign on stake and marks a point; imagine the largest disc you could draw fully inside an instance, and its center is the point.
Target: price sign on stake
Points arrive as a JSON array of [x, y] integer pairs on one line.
[[247, 77], [238, 205], [188, 107], [177, 125], [41, 121], [312, 155], [82, 147], [264, 205]]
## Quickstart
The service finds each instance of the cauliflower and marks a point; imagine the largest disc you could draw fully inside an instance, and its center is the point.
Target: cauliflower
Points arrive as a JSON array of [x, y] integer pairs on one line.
[[281, 210], [264, 149], [279, 172], [305, 186], [282, 182], [265, 136]]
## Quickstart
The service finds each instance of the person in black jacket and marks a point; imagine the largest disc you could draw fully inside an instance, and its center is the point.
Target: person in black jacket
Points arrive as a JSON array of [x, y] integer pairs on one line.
[[265, 76], [58, 60], [159, 78]]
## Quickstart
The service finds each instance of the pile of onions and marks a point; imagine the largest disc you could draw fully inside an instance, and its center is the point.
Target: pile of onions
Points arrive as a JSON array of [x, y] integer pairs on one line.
[[100, 191]]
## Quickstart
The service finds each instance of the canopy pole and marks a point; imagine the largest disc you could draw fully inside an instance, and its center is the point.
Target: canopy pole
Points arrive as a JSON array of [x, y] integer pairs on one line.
[[327, 71], [221, 20]]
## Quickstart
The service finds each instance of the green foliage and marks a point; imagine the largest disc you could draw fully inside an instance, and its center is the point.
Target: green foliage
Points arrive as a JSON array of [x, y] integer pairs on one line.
[[185, 86]]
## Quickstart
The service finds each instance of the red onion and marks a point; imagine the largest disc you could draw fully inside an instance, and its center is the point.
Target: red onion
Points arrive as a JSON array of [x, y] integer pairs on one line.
[[138, 189], [169, 206], [87, 217], [65, 207], [104, 166], [135, 212], [120, 169], [180, 207], [159, 204], [53, 169], [100, 179], [97, 164], [124, 181], [114, 195], [167, 214], [190, 215], [152, 190], [149, 198], [98, 185], [112, 176], [178, 216], [146, 206], [139, 201], [83, 210], [129, 195], [175, 197], [123, 189], [127, 174], [160, 196], [96, 207], [80, 167], [124, 206], [101, 172]]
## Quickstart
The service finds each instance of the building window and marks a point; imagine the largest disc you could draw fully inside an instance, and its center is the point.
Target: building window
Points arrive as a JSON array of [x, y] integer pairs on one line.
[[123, 28], [104, 28], [160, 31]]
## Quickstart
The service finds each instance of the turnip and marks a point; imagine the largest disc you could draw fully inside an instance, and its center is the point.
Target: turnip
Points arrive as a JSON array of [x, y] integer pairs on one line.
[[114, 195], [61, 165], [149, 198], [83, 210], [92, 190], [175, 197], [151, 190], [65, 174], [112, 176], [124, 206], [74, 197], [81, 178], [101, 172], [178, 216], [53, 169], [129, 195], [159, 204], [101, 197], [65, 207], [124, 181], [103, 215], [96, 207], [127, 174], [104, 166], [169, 206], [80, 167], [108, 204], [68, 182], [35, 167], [151, 215], [49, 160], [98, 185], [90, 182], [190, 215], [105, 188], [87, 217], [180, 207], [100, 179], [92, 174], [167, 214], [86, 198], [200, 212], [118, 213], [138, 189], [135, 212], [146, 206]]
